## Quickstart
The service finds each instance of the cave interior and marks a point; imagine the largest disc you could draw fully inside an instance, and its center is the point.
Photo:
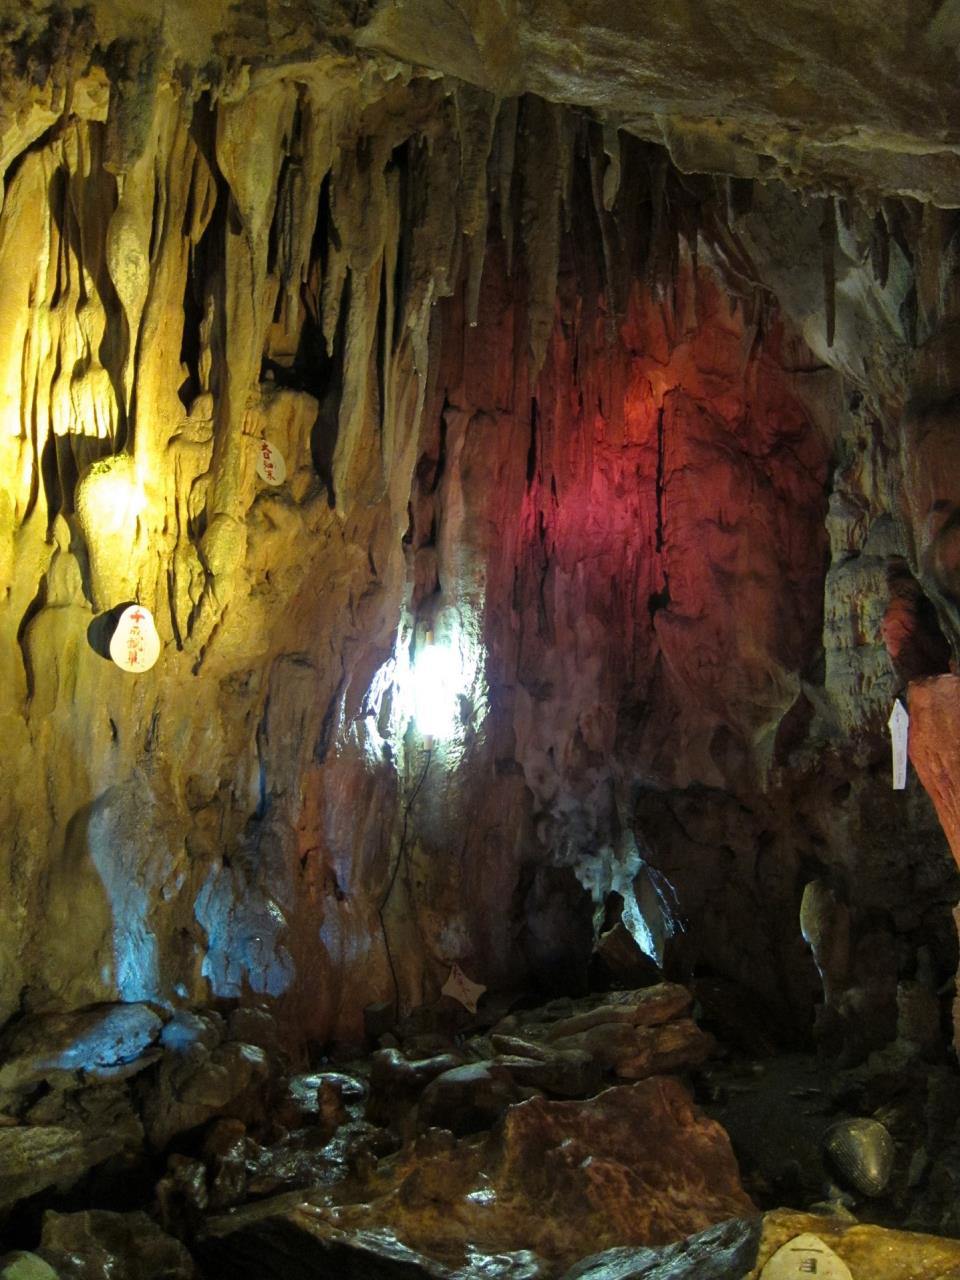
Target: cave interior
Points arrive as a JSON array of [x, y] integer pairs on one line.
[[480, 664]]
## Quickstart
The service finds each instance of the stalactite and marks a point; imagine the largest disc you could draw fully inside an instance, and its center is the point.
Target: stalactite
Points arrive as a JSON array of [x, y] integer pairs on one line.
[[828, 242], [435, 248], [615, 278], [476, 115], [309, 158], [611, 176], [505, 151], [663, 233], [880, 249], [571, 132], [540, 222]]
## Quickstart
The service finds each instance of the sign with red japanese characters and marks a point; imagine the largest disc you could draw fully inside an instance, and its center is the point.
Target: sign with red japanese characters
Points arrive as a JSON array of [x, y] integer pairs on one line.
[[135, 645], [271, 467], [803, 1256]]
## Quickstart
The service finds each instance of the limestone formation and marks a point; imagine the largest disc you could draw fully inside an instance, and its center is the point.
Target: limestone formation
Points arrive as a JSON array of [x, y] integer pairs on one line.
[[587, 370]]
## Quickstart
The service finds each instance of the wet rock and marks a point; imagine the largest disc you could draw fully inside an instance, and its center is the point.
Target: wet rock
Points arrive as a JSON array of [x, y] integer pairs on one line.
[[98, 1245], [251, 1025], [467, 1098], [101, 1043], [182, 1195], [33, 1157], [396, 1081], [673, 1047], [637, 1166], [632, 1033], [308, 1095], [634, 1052], [394, 1070], [646, 1007], [861, 1153], [225, 1151], [566, 1073], [719, 1253], [189, 1027], [679, 1178], [331, 1111], [194, 1088]]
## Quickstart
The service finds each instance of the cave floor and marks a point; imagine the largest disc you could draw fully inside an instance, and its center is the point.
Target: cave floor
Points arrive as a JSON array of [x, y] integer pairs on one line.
[[597, 1138]]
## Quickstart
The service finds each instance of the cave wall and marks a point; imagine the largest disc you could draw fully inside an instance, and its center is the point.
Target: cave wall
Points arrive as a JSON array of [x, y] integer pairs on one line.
[[626, 437]]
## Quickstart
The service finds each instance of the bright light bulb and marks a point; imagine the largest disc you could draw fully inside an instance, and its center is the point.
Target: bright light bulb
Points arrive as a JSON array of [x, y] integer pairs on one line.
[[436, 687]]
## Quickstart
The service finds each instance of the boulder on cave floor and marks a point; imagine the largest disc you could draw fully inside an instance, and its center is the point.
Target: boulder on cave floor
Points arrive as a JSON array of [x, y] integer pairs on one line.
[[200, 1084], [107, 1042], [34, 1157], [638, 1165], [634, 1034], [300, 1244], [99, 1245], [564, 1049]]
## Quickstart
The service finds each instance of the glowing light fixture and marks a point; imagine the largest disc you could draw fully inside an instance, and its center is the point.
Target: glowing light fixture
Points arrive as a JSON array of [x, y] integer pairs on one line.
[[437, 684], [114, 495]]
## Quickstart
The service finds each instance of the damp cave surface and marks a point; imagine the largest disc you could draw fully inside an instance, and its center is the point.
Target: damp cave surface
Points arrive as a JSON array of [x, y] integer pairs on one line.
[[479, 496]]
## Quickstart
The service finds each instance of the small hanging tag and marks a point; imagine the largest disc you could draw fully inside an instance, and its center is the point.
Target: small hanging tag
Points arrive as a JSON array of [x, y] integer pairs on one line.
[[271, 467], [459, 987], [135, 644], [899, 723], [805, 1256]]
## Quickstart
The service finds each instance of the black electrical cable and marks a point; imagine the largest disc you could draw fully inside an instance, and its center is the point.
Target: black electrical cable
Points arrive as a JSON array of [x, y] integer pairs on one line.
[[393, 878]]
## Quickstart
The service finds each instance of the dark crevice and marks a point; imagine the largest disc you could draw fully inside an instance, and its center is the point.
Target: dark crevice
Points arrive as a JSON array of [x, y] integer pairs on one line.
[[532, 451], [381, 350], [660, 478], [33, 608], [441, 450], [204, 266], [322, 375], [263, 742], [156, 219], [400, 160], [328, 724], [658, 600]]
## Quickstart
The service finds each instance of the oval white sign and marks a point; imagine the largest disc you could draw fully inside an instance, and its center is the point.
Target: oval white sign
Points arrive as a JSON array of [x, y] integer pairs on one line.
[[135, 645], [803, 1256], [271, 467]]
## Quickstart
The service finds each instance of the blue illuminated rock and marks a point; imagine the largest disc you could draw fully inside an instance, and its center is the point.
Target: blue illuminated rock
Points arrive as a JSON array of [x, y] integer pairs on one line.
[[88, 1045]]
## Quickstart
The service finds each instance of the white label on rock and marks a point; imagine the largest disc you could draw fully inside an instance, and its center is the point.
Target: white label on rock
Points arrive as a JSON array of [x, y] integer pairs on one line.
[[805, 1256], [459, 987], [135, 645], [270, 464], [899, 723]]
